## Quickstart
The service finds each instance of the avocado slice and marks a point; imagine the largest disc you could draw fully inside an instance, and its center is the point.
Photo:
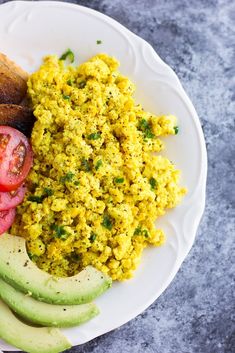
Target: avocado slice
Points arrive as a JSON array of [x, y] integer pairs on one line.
[[18, 270], [30, 339], [46, 314]]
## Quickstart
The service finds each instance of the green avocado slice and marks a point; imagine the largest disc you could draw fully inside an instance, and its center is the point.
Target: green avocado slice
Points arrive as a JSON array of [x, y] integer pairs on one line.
[[30, 339], [46, 314], [18, 270]]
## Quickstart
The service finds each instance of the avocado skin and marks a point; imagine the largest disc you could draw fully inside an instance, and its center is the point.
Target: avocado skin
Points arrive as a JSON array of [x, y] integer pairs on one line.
[[20, 272], [30, 339], [46, 314]]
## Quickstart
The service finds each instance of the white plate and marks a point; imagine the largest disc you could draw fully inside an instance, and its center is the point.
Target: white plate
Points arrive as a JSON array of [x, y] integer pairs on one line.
[[30, 30]]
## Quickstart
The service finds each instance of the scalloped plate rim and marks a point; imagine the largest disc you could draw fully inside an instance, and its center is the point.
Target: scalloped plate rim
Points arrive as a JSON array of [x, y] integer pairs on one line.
[[172, 75]]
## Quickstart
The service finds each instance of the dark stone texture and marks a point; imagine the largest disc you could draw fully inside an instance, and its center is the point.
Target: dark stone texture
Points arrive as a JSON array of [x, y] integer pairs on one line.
[[196, 314]]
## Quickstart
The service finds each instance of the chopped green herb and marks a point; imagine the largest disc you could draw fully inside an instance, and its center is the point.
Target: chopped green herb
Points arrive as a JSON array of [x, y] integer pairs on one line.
[[146, 128], [75, 257], [60, 232], [69, 82], [98, 164], [94, 136], [107, 222], [92, 237], [67, 177], [39, 199], [82, 84], [148, 134], [138, 230], [99, 41], [143, 125], [68, 54], [119, 180], [145, 233], [35, 198], [85, 165], [77, 183], [32, 257], [66, 97], [153, 183], [176, 128], [48, 191]]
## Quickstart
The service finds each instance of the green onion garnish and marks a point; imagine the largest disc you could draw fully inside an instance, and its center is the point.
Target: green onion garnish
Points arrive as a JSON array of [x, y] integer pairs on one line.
[[60, 232], [98, 164], [35, 198], [92, 237], [146, 128], [107, 222], [68, 54], [176, 128], [153, 183], [119, 180], [85, 165], [94, 136], [67, 177]]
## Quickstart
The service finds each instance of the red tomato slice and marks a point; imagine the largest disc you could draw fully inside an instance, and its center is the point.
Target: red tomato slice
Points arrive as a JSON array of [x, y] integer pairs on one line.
[[16, 158], [6, 219], [11, 199]]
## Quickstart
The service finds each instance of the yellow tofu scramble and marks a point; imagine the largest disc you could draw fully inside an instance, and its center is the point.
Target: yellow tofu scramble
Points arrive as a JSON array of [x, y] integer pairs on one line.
[[95, 189]]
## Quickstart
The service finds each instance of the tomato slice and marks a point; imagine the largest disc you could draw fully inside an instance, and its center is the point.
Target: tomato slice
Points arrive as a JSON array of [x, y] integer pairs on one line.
[[10, 199], [16, 158], [6, 219]]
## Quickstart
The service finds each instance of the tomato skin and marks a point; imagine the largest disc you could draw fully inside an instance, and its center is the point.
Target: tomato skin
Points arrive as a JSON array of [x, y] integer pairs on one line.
[[16, 158], [4, 188], [6, 219], [12, 199]]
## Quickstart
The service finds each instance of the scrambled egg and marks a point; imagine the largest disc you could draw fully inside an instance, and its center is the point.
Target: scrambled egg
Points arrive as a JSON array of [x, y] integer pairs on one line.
[[96, 188]]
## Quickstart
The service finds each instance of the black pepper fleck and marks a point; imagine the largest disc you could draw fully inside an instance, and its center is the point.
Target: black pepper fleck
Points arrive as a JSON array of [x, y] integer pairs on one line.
[[26, 263]]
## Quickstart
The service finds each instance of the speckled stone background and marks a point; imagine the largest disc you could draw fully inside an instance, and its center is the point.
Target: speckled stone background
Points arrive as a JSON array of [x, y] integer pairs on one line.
[[196, 314]]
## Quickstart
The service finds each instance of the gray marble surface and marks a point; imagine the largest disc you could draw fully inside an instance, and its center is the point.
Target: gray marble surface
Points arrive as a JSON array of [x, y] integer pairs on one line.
[[196, 314]]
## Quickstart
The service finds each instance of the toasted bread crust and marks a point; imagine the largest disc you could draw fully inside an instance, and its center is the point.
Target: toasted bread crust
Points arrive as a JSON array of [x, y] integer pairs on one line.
[[13, 87], [17, 116], [14, 67]]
